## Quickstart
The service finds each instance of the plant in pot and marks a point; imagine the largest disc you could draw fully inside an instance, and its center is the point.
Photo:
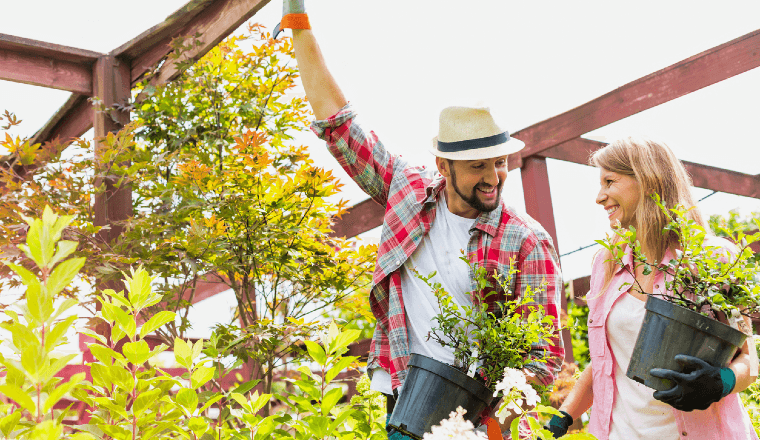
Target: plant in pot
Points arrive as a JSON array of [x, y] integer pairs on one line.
[[704, 285], [490, 351]]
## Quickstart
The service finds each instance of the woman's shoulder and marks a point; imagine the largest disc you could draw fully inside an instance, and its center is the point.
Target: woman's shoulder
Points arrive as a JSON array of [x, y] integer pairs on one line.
[[720, 242]]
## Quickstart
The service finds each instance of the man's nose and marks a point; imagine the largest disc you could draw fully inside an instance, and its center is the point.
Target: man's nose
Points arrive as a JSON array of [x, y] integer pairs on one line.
[[492, 177]]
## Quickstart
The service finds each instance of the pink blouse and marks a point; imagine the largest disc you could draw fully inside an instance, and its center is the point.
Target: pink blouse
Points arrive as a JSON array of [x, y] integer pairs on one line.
[[726, 419]]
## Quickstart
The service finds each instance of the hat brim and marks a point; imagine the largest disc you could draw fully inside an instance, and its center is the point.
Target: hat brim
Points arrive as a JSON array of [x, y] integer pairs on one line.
[[511, 146]]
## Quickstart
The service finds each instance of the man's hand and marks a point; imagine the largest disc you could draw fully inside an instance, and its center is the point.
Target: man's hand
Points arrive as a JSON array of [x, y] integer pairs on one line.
[[293, 17], [702, 386]]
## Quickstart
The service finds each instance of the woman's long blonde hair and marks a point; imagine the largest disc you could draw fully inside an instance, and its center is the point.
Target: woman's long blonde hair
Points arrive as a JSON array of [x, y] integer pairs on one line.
[[657, 170]]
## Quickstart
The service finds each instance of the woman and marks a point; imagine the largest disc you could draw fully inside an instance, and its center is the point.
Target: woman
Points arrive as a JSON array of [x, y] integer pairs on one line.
[[704, 404]]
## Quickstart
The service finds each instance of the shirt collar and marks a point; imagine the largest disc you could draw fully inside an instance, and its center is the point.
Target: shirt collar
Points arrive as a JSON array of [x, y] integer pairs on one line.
[[487, 222]]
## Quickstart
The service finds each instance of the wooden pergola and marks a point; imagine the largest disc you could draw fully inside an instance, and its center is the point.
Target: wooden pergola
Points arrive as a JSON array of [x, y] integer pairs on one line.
[[110, 77]]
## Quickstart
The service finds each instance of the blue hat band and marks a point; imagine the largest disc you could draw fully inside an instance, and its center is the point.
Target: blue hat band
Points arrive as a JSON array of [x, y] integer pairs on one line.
[[472, 144]]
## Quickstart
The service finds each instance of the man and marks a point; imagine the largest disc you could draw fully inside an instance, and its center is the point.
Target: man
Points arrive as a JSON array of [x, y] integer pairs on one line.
[[430, 218]]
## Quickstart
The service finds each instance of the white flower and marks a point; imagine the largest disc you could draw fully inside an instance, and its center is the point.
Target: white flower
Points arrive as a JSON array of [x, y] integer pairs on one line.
[[455, 428], [516, 390]]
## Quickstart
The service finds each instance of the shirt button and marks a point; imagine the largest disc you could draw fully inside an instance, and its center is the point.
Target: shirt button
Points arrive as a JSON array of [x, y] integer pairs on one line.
[[684, 433], [657, 286], [398, 262], [590, 321]]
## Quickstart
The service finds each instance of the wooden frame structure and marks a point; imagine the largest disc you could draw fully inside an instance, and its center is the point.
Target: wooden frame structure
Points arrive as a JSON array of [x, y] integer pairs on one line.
[[110, 77]]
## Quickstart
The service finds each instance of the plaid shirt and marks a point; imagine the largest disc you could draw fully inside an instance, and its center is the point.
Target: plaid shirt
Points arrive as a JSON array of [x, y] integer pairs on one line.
[[410, 195]]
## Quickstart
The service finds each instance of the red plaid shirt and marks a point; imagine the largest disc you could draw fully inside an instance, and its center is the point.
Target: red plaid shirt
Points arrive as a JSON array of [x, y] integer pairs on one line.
[[410, 195]]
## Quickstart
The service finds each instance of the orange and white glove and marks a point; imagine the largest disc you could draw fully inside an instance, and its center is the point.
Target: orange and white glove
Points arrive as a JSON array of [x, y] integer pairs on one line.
[[293, 17]]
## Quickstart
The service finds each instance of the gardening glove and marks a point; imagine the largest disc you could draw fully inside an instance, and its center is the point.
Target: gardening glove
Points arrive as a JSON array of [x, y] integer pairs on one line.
[[293, 17], [698, 387], [559, 425]]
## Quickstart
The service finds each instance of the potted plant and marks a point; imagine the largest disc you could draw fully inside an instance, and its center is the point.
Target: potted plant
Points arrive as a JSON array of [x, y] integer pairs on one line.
[[490, 349], [705, 285]]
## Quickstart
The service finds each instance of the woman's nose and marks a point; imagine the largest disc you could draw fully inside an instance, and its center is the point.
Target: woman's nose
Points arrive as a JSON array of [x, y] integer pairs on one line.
[[601, 197]]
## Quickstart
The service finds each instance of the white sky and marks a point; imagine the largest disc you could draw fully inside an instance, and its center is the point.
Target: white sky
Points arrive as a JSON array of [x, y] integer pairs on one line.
[[400, 62]]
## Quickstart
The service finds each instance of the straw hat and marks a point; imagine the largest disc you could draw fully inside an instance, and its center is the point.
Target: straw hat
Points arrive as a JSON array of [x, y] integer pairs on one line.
[[470, 133]]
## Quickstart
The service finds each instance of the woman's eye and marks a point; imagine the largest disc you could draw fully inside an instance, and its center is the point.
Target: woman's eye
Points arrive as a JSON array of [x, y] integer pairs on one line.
[[609, 182]]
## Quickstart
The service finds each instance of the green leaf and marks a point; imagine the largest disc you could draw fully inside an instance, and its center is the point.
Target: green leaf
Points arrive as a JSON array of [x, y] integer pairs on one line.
[[101, 375], [200, 376], [125, 322], [188, 399], [258, 401], [65, 248], [316, 352], [61, 390], [239, 398], [331, 398], [139, 288], [157, 321], [247, 386], [57, 332], [9, 422], [121, 378], [47, 430], [137, 352], [19, 396], [342, 340], [63, 274], [338, 367], [105, 355], [183, 353], [210, 402], [344, 414], [198, 425], [145, 400], [65, 305]]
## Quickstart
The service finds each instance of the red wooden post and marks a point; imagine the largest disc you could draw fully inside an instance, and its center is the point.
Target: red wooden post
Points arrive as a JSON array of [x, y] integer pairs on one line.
[[538, 204], [111, 86]]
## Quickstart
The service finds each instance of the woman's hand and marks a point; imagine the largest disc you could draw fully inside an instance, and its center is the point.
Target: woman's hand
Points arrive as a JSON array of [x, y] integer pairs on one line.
[[698, 389]]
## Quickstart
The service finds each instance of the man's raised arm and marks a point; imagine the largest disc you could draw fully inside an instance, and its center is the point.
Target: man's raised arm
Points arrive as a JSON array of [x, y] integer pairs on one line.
[[323, 92], [324, 95]]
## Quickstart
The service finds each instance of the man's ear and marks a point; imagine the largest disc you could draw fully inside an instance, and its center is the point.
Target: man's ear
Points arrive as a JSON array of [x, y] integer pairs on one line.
[[444, 167]]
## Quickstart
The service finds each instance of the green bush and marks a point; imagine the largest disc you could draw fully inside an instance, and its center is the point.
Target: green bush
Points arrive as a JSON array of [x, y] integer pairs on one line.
[[129, 397]]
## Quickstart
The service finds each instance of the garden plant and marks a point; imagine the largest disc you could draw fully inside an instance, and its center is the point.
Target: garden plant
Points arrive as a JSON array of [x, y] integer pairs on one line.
[[128, 396], [220, 193], [494, 346]]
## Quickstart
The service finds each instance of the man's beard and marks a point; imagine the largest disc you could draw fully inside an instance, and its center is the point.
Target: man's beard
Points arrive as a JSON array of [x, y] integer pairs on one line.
[[473, 199]]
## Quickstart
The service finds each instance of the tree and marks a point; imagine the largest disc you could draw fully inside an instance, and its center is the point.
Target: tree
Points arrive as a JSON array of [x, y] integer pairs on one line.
[[220, 193]]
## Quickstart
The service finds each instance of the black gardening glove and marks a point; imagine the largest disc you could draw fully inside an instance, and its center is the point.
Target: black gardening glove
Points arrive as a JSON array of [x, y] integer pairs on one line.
[[559, 425], [698, 387]]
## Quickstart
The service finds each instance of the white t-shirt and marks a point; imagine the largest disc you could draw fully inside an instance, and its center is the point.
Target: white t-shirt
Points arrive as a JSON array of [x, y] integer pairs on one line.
[[635, 413], [439, 251]]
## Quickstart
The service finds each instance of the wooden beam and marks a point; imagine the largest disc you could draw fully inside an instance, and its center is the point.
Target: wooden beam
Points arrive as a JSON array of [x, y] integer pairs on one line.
[[360, 218], [48, 50], [578, 150], [72, 120], [216, 18], [213, 19], [709, 67], [45, 72]]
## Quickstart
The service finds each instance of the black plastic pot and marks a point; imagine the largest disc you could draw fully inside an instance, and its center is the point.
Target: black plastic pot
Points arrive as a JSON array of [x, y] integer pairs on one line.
[[433, 390], [670, 329]]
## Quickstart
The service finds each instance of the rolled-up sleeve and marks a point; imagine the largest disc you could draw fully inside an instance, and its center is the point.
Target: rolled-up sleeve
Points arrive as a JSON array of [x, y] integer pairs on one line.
[[359, 153]]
